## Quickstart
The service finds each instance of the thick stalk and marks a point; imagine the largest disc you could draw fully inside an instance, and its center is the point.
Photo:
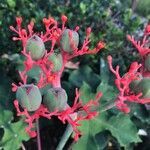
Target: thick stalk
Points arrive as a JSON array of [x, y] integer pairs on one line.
[[65, 137], [57, 82], [23, 147]]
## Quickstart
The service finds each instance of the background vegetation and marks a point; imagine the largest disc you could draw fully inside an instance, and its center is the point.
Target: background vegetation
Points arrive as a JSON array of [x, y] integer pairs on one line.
[[111, 21]]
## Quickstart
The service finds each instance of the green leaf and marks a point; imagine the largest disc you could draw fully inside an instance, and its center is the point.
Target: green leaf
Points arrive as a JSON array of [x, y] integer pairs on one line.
[[86, 93], [86, 74], [5, 117], [11, 3], [123, 129], [140, 112], [120, 126], [109, 92], [102, 138], [14, 134], [89, 130], [83, 7]]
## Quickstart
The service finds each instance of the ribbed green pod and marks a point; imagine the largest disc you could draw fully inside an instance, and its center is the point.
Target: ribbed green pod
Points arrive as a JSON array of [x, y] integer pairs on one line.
[[66, 40], [143, 87], [55, 99], [36, 47], [29, 97], [57, 61], [134, 84]]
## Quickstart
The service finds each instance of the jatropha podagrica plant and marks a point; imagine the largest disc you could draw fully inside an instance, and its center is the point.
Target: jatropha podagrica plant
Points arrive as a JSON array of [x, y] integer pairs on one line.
[[64, 46], [133, 86]]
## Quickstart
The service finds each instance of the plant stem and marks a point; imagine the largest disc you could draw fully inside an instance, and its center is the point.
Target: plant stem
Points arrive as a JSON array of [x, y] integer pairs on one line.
[[38, 135], [23, 147], [107, 107], [65, 137]]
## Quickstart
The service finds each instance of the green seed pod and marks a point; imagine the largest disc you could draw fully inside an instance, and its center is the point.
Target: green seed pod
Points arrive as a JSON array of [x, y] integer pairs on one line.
[[144, 87], [55, 99], [67, 40], [29, 97], [57, 62], [36, 47], [147, 63], [34, 74], [134, 84]]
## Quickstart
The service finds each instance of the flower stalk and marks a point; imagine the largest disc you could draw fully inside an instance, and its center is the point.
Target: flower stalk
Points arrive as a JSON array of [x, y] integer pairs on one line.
[[65, 137], [38, 135]]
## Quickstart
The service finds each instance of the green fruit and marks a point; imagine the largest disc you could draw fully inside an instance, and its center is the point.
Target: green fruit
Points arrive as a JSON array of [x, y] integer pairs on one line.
[[147, 63], [57, 62], [34, 74], [65, 40], [144, 87], [29, 97], [134, 84], [36, 47], [55, 99]]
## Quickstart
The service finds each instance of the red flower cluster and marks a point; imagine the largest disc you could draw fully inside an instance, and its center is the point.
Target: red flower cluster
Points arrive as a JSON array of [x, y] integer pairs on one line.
[[123, 85], [52, 34], [135, 72], [143, 48]]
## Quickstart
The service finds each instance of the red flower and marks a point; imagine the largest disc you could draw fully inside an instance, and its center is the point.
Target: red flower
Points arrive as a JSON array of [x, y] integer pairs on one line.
[[122, 84]]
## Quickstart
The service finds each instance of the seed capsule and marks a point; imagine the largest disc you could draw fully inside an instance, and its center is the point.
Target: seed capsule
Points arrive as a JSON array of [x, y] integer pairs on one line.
[[134, 84], [143, 86], [69, 40], [55, 99], [36, 47], [29, 97], [57, 62]]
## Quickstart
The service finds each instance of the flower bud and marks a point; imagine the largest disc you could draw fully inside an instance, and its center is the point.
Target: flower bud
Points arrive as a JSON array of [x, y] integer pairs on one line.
[[57, 62], [147, 63], [69, 40], [29, 97], [36, 47], [55, 99]]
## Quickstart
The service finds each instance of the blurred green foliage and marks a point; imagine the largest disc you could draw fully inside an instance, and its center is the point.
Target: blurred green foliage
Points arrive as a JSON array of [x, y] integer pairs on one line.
[[111, 21], [143, 9]]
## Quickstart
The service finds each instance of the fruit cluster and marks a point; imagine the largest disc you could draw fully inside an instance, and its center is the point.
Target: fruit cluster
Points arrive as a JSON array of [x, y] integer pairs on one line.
[[30, 97]]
